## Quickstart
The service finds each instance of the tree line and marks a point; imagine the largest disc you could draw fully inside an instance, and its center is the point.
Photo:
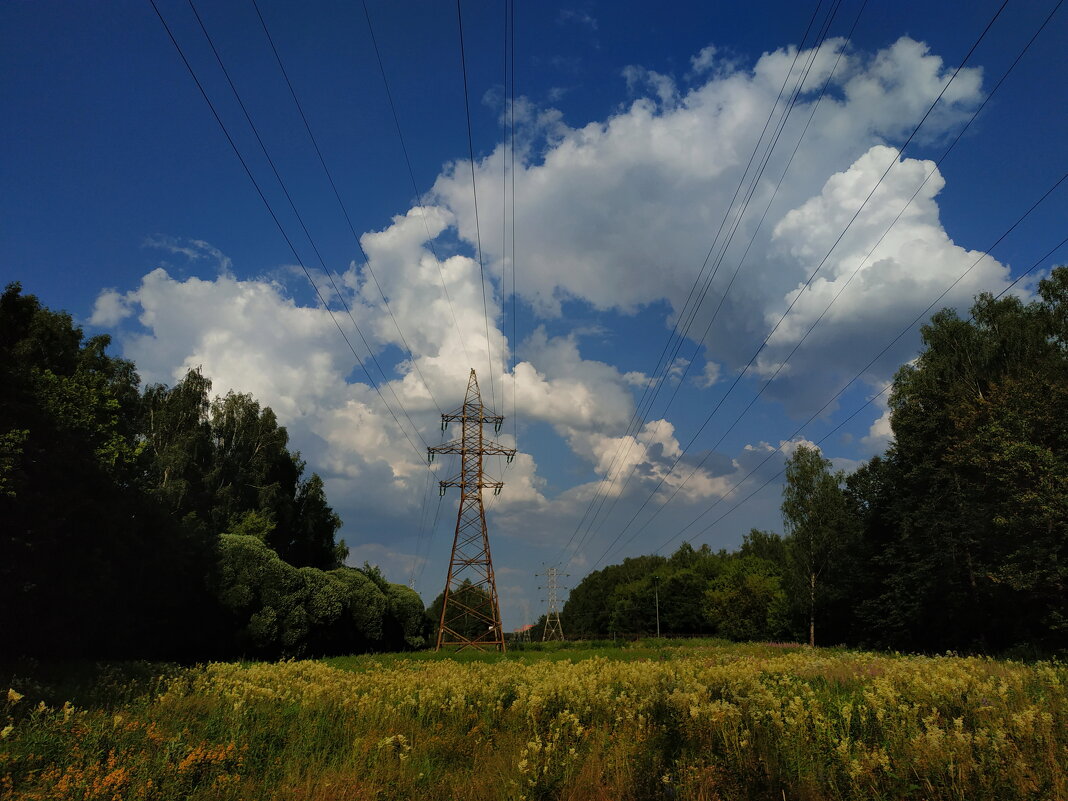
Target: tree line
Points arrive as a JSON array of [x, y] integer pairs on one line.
[[160, 522], [955, 539]]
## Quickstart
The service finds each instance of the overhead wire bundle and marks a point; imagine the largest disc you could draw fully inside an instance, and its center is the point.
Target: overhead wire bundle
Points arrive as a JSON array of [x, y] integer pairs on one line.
[[618, 537], [616, 477]]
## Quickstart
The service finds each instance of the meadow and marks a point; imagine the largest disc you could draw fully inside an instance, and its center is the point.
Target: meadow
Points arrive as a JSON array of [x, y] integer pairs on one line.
[[701, 720]]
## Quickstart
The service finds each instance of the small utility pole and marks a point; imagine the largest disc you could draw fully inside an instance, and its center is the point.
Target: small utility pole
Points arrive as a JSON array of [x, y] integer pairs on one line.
[[656, 597], [475, 604], [553, 629]]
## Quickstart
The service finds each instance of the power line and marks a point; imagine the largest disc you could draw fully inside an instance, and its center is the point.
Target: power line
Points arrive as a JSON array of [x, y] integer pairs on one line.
[[834, 430], [904, 331], [689, 312], [812, 276], [411, 174], [423, 556], [421, 530], [638, 418], [474, 194], [736, 224], [300, 220], [337, 194], [838, 294], [281, 229], [515, 290]]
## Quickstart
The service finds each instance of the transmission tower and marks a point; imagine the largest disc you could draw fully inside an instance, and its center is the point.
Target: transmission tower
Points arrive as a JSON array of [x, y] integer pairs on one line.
[[470, 612], [553, 629]]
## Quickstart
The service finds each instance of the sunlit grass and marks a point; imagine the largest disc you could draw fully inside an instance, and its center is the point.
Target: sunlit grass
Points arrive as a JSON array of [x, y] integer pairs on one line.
[[646, 721]]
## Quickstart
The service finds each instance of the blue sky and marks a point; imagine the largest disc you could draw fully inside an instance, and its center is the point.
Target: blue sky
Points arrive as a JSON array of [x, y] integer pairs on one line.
[[124, 204]]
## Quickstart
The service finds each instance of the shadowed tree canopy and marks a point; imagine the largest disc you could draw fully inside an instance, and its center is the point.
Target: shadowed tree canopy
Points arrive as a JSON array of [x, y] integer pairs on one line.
[[225, 465], [966, 517], [468, 626], [164, 523]]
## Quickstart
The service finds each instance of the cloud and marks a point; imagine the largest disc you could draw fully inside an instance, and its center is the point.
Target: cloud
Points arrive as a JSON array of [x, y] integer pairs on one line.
[[880, 432], [709, 376], [109, 309], [704, 60], [624, 212], [192, 249], [874, 281]]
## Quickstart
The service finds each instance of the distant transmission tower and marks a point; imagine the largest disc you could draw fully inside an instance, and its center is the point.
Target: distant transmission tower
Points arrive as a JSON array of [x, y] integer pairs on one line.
[[553, 629], [471, 613]]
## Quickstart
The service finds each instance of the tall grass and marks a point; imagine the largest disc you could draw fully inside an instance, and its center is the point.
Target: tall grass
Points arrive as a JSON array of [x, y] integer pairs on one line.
[[705, 722]]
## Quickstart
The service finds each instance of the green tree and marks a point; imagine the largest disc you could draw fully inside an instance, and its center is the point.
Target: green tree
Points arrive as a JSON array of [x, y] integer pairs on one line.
[[587, 613], [765, 545], [966, 517], [264, 596], [89, 564], [469, 626], [747, 601], [815, 515], [175, 424], [311, 538]]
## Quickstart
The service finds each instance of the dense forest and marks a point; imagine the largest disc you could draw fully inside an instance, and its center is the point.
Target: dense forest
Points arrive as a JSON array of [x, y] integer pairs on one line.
[[955, 538], [161, 522]]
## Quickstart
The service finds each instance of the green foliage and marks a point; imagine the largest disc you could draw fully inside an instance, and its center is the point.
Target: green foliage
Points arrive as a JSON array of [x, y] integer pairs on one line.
[[162, 523], [277, 609], [747, 602], [965, 520], [956, 538], [620, 600], [215, 463], [818, 528], [263, 594], [88, 562], [405, 619], [466, 625]]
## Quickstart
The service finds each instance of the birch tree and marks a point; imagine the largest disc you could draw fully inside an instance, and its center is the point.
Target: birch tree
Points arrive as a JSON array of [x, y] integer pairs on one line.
[[814, 514]]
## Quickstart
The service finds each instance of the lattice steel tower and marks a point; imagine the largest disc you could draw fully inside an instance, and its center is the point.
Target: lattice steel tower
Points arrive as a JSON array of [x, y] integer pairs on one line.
[[553, 629], [471, 614]]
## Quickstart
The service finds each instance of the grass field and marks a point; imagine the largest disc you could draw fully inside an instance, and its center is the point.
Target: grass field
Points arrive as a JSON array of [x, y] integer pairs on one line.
[[702, 720]]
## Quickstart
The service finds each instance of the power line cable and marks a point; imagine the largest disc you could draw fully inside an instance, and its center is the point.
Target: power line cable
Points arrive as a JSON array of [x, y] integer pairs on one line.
[[842, 288], [426, 551], [734, 227], [300, 219], [767, 208], [411, 174], [736, 224], [812, 276], [280, 227], [638, 418], [904, 331], [421, 530], [341, 203], [474, 194], [834, 430], [515, 290]]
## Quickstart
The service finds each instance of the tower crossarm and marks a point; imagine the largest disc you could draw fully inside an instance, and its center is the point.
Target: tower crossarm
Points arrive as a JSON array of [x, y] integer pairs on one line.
[[496, 486], [458, 417], [487, 448]]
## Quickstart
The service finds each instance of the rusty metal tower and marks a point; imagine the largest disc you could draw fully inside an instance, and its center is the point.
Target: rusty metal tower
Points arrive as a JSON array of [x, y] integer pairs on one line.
[[470, 611], [553, 630]]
